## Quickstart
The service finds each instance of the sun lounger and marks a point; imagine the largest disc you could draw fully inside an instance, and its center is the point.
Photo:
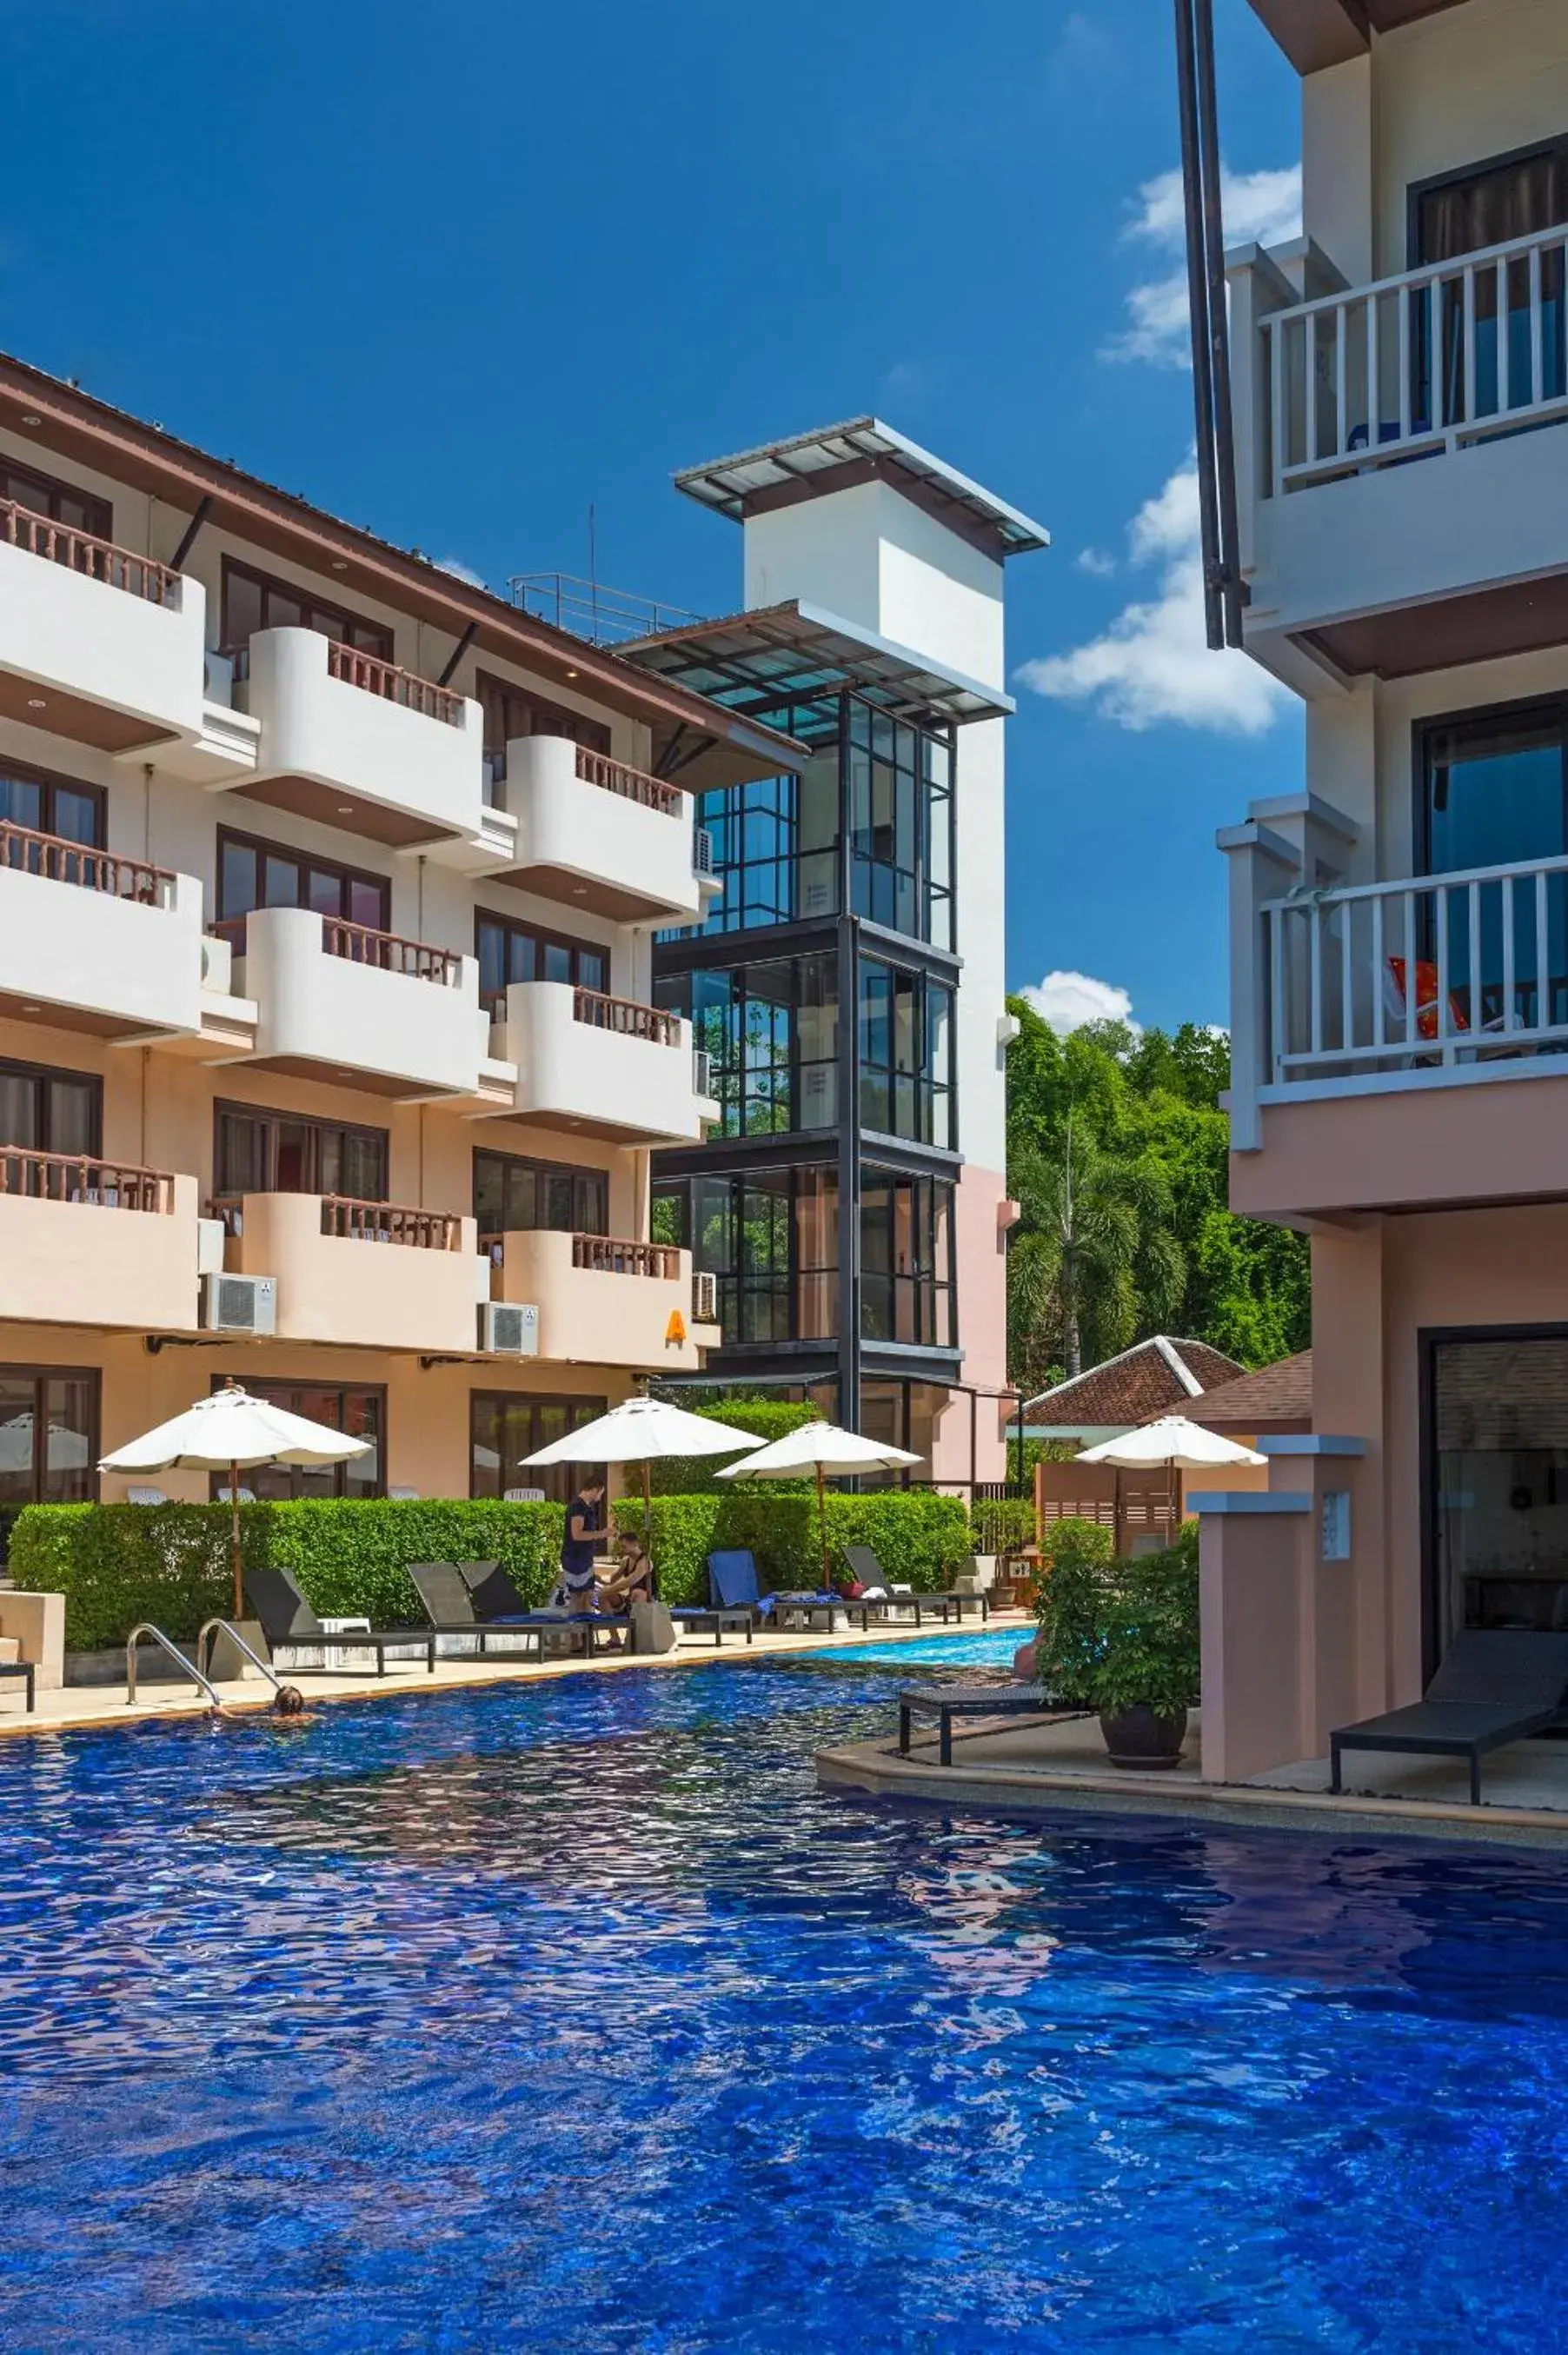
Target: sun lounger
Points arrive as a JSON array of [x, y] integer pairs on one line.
[[497, 1603], [289, 1624], [732, 1586], [448, 1606], [1495, 1686], [944, 1703], [868, 1572], [23, 1672]]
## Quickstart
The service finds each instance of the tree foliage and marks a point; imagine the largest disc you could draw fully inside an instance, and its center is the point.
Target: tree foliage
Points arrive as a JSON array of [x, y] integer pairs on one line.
[[1117, 1153]]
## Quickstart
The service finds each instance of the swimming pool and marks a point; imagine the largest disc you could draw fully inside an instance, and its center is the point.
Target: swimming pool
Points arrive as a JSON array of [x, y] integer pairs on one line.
[[573, 2016]]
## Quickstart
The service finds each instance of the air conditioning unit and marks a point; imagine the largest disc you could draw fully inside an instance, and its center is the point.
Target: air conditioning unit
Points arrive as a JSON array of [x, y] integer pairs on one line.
[[240, 1304], [704, 1298], [509, 1327], [702, 1071], [701, 851]]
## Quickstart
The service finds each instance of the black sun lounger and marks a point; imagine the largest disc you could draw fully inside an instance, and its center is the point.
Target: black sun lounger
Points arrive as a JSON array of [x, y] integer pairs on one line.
[[448, 1606], [867, 1571], [22, 1672], [1495, 1685], [944, 1703], [497, 1603], [288, 1621]]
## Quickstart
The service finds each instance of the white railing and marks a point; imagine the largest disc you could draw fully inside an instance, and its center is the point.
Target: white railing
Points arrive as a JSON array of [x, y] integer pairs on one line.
[[1431, 971], [1416, 365]]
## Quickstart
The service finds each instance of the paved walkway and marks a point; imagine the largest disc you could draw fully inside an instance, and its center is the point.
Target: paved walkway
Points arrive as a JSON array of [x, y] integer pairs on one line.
[[79, 1705]]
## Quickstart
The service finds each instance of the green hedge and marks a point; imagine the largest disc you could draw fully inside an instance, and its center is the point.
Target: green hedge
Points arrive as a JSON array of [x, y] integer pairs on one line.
[[919, 1538], [1002, 1524], [118, 1563]]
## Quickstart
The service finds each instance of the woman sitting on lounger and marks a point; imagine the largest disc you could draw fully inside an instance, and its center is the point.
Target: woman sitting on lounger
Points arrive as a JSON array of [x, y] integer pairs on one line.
[[633, 1579]]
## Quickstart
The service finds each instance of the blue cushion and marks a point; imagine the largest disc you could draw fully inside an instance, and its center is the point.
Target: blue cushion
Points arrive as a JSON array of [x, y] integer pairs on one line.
[[732, 1580]]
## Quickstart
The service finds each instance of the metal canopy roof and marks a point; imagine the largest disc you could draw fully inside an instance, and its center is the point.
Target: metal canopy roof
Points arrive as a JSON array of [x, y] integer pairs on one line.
[[807, 465], [793, 655]]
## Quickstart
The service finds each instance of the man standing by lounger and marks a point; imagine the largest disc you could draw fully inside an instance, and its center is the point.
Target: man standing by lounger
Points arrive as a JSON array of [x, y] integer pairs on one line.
[[584, 1526]]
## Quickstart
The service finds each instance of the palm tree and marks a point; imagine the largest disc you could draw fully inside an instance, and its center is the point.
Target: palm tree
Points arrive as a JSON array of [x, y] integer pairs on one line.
[[1092, 1252]]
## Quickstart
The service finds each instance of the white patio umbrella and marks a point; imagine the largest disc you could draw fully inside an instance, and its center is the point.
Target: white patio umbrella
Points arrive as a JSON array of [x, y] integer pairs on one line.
[[231, 1432], [643, 1431], [1174, 1441], [824, 1448]]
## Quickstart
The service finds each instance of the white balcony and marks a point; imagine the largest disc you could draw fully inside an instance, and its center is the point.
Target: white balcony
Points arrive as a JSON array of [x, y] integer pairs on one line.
[[363, 1006], [97, 643], [1392, 452], [366, 1274], [598, 835], [85, 1242], [1395, 1044], [90, 941], [357, 743], [603, 1302], [604, 1066]]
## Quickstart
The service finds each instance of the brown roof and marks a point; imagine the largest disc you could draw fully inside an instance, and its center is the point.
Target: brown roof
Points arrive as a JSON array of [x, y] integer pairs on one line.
[[1316, 33], [1144, 1382], [1273, 1394]]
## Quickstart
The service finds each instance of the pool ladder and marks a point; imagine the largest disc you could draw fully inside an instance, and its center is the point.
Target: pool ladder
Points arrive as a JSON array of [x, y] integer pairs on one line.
[[144, 1630]]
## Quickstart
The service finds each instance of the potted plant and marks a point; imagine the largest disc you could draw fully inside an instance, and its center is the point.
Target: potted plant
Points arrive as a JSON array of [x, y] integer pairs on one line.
[[1146, 1674]]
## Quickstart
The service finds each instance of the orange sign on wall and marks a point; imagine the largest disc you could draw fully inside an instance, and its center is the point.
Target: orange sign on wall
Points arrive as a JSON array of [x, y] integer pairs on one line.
[[675, 1331]]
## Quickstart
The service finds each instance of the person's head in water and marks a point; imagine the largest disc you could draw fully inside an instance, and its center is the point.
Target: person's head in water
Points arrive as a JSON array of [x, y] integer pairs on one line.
[[289, 1702]]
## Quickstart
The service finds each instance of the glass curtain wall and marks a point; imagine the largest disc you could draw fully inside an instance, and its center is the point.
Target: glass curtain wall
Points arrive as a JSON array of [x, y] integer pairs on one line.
[[906, 1055], [771, 1237], [900, 824], [906, 1260], [770, 1030]]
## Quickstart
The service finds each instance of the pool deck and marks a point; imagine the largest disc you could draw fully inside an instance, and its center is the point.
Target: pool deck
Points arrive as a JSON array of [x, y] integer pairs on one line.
[[1051, 1767], [68, 1707]]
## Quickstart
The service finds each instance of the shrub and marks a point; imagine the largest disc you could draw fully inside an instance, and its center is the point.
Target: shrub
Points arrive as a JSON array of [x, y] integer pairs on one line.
[[170, 1563], [1117, 1633], [1001, 1524], [919, 1538]]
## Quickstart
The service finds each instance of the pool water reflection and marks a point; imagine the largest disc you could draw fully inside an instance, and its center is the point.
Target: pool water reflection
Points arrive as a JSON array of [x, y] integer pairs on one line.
[[575, 2016]]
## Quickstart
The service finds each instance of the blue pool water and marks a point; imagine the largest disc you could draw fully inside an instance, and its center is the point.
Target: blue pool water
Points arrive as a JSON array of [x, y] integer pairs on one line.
[[573, 2016]]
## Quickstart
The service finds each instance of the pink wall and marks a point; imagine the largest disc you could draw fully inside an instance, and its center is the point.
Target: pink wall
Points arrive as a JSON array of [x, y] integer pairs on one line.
[[981, 1252], [1416, 1147]]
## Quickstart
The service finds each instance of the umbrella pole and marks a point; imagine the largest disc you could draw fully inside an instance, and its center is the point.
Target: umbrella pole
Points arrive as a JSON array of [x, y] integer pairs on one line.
[[234, 1541], [822, 1522], [647, 1506]]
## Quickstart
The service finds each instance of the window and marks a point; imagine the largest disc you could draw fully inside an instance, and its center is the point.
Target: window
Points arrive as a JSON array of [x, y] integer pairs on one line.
[[1468, 212], [258, 1152], [505, 1426], [1493, 792], [509, 952], [253, 874], [360, 1412], [1498, 1505], [906, 1260], [771, 1238], [46, 804], [774, 847], [900, 824], [771, 1030], [906, 1054], [45, 1111], [48, 1437], [251, 601], [41, 495], [518, 711], [515, 1196]]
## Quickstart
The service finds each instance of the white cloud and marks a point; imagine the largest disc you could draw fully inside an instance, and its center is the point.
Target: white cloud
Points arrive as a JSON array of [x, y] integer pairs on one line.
[[1068, 1001], [1095, 561], [459, 570], [1153, 665], [1265, 206]]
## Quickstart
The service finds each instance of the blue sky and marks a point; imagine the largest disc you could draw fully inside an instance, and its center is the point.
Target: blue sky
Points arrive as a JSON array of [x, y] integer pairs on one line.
[[457, 272]]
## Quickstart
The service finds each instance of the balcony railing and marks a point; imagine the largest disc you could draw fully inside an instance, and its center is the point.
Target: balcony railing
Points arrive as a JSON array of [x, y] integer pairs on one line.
[[388, 1223], [374, 677], [80, 1178], [1417, 364], [631, 784], [57, 860], [362, 945], [83, 551], [1429, 972], [610, 1255], [626, 1015]]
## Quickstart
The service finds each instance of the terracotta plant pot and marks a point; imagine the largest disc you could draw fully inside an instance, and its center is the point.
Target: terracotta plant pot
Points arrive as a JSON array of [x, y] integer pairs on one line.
[[1136, 1737]]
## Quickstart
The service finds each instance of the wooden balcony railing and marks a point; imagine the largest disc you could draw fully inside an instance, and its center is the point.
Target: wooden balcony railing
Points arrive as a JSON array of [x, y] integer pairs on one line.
[[384, 678], [611, 1255], [627, 1015], [79, 1178], [389, 1222], [361, 944], [59, 860], [631, 784], [83, 551]]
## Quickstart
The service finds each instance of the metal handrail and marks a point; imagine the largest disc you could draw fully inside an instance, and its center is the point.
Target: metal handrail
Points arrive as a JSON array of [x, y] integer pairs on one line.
[[211, 1627], [186, 1667]]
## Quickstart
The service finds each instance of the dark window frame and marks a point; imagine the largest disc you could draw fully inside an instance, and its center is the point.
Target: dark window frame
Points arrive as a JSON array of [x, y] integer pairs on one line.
[[51, 781], [98, 511], [575, 1172], [304, 860], [1520, 711], [934, 1106], [17, 1067], [40, 1376], [228, 1107], [564, 1477], [540, 939], [759, 1085], [922, 1285], [263, 1386], [744, 1282], [1434, 185], [309, 605]]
